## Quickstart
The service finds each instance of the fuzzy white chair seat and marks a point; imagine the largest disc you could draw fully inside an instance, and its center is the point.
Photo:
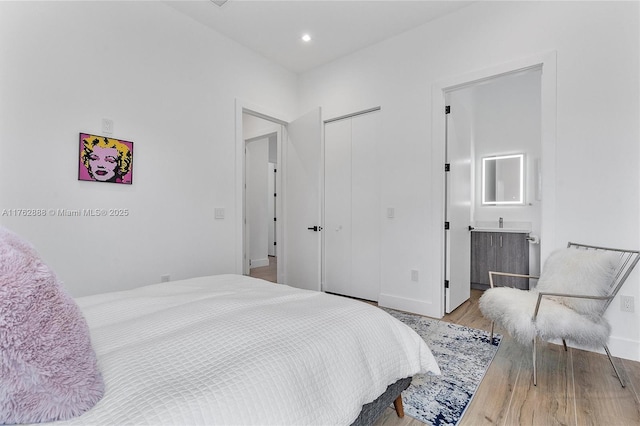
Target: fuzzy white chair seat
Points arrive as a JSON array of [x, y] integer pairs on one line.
[[575, 288]]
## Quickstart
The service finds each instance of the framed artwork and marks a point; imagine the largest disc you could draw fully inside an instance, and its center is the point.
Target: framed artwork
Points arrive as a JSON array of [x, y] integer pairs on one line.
[[104, 159]]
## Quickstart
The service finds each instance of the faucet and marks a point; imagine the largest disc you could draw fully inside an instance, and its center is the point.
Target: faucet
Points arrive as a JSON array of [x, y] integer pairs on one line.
[[500, 223]]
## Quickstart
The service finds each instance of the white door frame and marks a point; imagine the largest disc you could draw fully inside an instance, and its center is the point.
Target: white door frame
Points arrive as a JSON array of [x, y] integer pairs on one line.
[[260, 112], [548, 62]]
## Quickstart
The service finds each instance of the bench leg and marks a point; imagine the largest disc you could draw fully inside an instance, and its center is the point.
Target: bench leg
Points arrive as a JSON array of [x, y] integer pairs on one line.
[[397, 404]]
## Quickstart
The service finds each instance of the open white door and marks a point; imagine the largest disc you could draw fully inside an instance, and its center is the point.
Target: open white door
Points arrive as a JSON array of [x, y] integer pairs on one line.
[[302, 239], [458, 237]]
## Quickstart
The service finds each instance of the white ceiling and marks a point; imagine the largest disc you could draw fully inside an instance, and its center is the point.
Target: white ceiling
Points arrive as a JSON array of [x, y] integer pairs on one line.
[[274, 28]]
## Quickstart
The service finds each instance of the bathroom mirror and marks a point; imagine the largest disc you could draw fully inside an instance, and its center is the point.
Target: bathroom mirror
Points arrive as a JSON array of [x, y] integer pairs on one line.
[[503, 179]]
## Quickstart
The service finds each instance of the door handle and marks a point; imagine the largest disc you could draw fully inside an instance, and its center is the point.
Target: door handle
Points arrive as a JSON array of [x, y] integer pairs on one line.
[[315, 228]]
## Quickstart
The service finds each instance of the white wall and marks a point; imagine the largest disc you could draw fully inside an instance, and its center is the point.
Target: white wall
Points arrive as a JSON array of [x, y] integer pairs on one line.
[[170, 86], [253, 127], [597, 152]]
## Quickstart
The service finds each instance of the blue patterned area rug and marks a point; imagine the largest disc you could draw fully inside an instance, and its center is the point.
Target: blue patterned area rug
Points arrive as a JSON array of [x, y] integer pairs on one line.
[[463, 354]]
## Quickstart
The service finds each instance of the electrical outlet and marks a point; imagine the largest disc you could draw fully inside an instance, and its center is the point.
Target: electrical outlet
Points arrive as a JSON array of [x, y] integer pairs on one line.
[[414, 275], [107, 126], [165, 278], [627, 304]]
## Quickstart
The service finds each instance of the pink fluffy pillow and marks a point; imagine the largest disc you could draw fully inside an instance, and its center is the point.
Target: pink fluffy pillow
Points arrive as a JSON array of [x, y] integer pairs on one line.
[[48, 369]]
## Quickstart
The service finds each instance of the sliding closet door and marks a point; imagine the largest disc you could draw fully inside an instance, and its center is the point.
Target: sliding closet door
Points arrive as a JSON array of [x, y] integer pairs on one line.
[[352, 207], [337, 206], [365, 205]]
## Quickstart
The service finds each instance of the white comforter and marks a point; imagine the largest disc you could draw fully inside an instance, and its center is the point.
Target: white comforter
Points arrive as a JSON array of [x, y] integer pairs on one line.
[[230, 349]]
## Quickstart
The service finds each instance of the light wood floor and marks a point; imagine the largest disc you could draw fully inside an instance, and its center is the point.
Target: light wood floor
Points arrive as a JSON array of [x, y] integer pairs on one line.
[[269, 273], [574, 387]]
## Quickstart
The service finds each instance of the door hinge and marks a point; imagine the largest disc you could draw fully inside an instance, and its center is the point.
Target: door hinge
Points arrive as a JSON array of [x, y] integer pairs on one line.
[[446, 225], [275, 243], [275, 194], [446, 283], [447, 167], [447, 109], [275, 219]]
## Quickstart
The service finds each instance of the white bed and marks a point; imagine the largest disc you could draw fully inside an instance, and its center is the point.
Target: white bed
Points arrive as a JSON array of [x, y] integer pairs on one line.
[[230, 349]]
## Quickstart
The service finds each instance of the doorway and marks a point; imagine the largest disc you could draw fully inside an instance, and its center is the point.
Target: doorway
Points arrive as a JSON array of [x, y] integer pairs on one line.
[[297, 229], [260, 195], [458, 292], [258, 142], [498, 116]]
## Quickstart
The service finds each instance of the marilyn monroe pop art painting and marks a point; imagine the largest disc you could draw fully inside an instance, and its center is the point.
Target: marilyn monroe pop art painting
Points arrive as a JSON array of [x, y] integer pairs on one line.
[[104, 159]]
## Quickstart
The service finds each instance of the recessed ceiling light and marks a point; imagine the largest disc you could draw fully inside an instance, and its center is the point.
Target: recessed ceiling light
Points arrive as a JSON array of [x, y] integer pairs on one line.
[[306, 38]]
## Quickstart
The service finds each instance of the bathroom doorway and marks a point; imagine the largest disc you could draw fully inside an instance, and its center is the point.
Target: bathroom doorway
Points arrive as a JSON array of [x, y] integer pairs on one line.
[[496, 117], [468, 91]]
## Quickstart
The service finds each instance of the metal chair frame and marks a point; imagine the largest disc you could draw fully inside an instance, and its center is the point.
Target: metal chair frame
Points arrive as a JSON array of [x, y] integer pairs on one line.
[[626, 262]]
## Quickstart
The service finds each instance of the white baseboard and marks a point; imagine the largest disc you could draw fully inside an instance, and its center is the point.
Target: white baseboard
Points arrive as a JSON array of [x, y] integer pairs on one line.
[[624, 348], [619, 348], [256, 263]]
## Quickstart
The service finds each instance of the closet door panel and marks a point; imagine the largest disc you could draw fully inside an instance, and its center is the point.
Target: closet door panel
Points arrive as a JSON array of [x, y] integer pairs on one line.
[[365, 205], [337, 208]]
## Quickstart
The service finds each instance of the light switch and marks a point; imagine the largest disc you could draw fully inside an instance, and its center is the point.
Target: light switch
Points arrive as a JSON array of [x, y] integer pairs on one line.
[[219, 213], [391, 212]]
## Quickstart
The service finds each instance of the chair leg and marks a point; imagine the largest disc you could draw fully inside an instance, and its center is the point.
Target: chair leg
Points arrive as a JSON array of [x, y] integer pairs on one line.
[[564, 343], [606, 349], [535, 373], [491, 341]]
